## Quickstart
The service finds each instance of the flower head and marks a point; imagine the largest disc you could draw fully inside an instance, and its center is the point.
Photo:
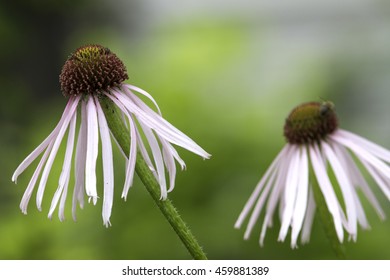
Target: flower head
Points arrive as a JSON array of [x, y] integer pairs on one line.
[[90, 70], [90, 73], [316, 148]]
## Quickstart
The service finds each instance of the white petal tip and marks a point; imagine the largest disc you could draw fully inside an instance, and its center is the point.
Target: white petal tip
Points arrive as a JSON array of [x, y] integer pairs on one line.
[[107, 224], [93, 199], [15, 176], [247, 236], [124, 196], [183, 166], [303, 242], [237, 225], [281, 238], [207, 156], [366, 227], [293, 243], [352, 237]]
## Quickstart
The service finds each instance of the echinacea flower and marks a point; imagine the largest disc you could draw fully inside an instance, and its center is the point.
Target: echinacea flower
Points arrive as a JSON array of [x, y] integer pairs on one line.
[[317, 150], [89, 74]]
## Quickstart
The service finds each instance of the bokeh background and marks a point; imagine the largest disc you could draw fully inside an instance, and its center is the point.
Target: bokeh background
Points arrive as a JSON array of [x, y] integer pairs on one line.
[[226, 73]]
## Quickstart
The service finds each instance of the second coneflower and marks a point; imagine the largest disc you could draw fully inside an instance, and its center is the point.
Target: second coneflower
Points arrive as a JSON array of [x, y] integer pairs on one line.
[[298, 180], [93, 72]]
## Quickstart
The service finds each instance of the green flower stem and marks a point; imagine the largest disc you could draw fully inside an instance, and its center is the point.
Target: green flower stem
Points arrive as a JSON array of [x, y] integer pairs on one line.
[[327, 220], [122, 135]]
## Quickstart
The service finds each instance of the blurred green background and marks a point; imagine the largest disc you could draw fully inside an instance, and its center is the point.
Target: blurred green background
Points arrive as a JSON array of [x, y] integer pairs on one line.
[[226, 73]]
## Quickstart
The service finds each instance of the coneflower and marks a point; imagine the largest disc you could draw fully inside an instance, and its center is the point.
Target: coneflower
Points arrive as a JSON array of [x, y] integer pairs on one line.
[[317, 146], [93, 72]]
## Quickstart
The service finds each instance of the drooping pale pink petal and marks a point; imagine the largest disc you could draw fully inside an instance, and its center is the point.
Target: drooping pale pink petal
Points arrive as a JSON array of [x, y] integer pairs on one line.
[[128, 91], [309, 218], [123, 116], [64, 177], [169, 163], [364, 154], [92, 150], [346, 189], [326, 189], [31, 185], [108, 166], [61, 210], [277, 191], [65, 173], [361, 216], [144, 152], [174, 153], [369, 146], [79, 163], [158, 159], [300, 207], [354, 179], [260, 203], [382, 182], [290, 193], [132, 157], [53, 153]]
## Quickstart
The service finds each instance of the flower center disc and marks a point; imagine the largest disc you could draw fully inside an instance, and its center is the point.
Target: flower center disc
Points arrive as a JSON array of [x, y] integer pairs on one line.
[[310, 122], [90, 70]]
